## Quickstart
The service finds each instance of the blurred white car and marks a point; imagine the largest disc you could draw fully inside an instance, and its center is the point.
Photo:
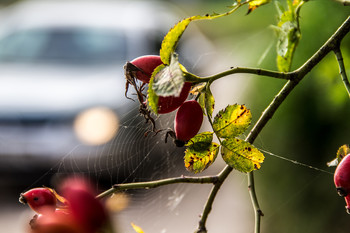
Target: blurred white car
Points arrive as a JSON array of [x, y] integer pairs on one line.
[[61, 73]]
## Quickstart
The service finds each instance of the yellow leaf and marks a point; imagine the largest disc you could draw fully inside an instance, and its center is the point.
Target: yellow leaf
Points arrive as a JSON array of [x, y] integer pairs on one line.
[[58, 197], [232, 121], [137, 228], [255, 4], [198, 160]]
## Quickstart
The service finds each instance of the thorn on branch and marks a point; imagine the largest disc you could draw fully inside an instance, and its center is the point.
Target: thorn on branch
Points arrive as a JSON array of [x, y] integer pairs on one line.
[[260, 212]]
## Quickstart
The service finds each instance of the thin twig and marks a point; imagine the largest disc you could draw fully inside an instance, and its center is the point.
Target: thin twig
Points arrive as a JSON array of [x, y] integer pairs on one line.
[[208, 206], [342, 69], [331, 44], [158, 183], [253, 197]]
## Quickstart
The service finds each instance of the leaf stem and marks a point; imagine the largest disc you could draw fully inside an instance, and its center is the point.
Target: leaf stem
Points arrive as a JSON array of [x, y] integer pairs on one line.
[[158, 183], [342, 69]]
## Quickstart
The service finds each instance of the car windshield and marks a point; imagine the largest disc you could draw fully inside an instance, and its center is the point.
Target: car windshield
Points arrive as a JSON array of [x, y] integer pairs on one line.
[[63, 45]]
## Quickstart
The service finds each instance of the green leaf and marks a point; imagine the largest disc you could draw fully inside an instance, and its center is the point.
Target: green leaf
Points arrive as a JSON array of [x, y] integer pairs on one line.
[[288, 33], [201, 152], [199, 90], [341, 153], [209, 102], [241, 155], [255, 4], [201, 101], [232, 121], [288, 39], [172, 38], [170, 80], [206, 101], [152, 97], [201, 141]]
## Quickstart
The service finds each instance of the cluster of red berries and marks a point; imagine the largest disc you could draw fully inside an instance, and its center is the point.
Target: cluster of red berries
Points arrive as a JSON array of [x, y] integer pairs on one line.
[[76, 211], [189, 116]]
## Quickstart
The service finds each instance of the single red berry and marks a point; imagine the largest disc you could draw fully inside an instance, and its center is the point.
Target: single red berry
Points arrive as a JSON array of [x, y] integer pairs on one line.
[[342, 176], [188, 120], [170, 103], [39, 199], [342, 180], [86, 210], [59, 221], [146, 64]]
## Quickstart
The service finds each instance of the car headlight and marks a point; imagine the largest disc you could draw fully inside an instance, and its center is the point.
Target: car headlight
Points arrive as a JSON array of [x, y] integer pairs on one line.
[[96, 126]]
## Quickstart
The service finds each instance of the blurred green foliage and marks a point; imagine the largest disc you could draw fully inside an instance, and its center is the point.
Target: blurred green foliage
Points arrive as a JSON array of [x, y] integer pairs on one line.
[[8, 2]]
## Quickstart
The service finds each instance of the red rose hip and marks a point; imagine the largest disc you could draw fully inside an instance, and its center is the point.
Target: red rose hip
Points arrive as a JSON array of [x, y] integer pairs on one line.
[[39, 199], [342, 180], [188, 120], [170, 103], [146, 64]]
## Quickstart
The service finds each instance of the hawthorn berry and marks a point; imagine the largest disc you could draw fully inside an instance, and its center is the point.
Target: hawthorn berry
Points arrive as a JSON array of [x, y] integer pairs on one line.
[[145, 65], [342, 180], [188, 120], [39, 199], [170, 103]]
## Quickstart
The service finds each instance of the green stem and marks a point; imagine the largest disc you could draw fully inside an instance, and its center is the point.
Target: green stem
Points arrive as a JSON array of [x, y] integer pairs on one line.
[[270, 110], [208, 205], [235, 70], [342, 69], [331, 44], [158, 183], [258, 211]]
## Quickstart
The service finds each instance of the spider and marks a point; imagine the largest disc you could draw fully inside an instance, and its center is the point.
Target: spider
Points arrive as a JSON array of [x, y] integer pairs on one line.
[[130, 75]]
